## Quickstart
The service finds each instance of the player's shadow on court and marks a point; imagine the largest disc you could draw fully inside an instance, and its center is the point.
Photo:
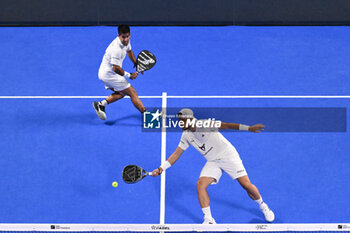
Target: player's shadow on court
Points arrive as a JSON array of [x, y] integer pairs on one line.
[[235, 205], [186, 211], [177, 196], [125, 121]]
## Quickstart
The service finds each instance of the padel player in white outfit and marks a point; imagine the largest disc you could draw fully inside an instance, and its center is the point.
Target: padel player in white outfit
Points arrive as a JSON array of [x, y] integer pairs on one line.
[[114, 77], [221, 155]]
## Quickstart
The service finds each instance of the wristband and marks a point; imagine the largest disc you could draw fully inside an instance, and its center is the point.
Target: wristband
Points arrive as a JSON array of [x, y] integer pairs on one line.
[[165, 165], [126, 74], [244, 127]]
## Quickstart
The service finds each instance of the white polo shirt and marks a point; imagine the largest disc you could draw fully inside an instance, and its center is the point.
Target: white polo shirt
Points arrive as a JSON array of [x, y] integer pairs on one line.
[[114, 55], [210, 143]]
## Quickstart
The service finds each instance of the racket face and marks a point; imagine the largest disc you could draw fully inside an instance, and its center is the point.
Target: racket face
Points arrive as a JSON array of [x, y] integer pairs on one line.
[[145, 61], [132, 174]]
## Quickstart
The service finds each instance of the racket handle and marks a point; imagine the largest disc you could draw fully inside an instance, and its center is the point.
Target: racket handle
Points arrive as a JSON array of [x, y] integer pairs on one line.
[[149, 173]]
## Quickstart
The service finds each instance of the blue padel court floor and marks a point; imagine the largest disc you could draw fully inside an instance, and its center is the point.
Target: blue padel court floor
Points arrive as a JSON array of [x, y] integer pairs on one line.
[[58, 159]]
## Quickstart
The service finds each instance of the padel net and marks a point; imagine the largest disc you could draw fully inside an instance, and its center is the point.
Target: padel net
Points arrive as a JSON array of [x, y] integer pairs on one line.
[[254, 228]]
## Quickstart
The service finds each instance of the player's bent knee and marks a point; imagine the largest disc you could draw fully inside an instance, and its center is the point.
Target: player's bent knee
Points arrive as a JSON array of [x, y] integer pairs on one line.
[[202, 184], [130, 91], [248, 186], [134, 94], [245, 183]]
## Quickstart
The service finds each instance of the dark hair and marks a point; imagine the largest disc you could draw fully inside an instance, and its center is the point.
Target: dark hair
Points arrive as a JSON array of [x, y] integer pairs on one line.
[[179, 115], [123, 29]]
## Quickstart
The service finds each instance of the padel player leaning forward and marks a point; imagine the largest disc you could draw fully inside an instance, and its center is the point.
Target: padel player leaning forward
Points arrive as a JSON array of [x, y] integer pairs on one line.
[[114, 77], [220, 155]]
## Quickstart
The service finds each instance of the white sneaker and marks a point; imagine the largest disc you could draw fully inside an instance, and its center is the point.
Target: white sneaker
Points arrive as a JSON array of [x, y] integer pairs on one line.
[[269, 215], [100, 110], [209, 221]]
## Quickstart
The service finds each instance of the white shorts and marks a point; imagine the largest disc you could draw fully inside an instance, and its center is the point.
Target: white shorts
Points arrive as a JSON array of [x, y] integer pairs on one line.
[[115, 82], [213, 169]]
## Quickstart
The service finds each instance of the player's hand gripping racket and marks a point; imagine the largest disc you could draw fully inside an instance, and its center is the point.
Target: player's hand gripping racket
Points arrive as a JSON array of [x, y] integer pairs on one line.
[[145, 61], [133, 173]]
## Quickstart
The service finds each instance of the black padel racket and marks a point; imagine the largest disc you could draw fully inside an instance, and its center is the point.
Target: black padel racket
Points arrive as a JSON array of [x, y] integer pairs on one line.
[[133, 173], [145, 61]]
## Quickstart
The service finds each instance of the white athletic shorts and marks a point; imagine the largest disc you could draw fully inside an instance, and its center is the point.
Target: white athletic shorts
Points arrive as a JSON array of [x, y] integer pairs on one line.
[[114, 81], [213, 169]]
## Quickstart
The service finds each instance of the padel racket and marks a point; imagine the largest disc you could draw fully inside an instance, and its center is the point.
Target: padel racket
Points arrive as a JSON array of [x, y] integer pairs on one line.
[[133, 173], [145, 61]]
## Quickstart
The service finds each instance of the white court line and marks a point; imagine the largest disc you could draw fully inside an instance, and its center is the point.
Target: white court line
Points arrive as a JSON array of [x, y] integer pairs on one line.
[[193, 97], [163, 158], [261, 97]]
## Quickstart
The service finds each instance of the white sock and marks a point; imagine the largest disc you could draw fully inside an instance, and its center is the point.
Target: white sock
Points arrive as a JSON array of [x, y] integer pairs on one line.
[[207, 212], [104, 102], [259, 201]]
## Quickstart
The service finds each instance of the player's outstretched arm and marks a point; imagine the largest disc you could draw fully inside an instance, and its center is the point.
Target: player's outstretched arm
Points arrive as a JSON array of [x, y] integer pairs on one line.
[[225, 125], [170, 161], [255, 128]]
